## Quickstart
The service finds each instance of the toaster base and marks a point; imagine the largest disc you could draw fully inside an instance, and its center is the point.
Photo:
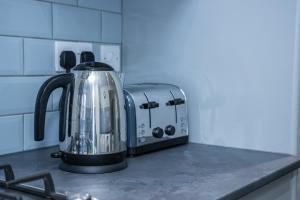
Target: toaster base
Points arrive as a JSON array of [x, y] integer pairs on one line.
[[134, 151], [93, 169]]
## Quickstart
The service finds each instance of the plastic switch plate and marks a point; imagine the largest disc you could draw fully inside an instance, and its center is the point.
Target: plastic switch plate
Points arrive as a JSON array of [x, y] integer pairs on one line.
[[111, 54]]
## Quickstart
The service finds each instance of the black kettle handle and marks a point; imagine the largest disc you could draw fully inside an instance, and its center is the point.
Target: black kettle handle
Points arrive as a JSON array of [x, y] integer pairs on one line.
[[58, 81], [63, 113]]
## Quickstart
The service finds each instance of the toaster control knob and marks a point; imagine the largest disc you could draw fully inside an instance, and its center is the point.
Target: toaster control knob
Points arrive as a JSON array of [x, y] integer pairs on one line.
[[170, 130], [158, 132]]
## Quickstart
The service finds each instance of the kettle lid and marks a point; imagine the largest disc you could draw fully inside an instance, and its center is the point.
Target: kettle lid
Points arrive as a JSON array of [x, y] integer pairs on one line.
[[93, 66]]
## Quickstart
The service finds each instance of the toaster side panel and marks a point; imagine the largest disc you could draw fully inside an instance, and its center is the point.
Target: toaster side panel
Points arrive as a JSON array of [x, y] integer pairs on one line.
[[131, 120]]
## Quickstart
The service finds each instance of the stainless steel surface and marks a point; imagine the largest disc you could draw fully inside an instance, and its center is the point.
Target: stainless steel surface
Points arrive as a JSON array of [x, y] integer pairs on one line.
[[98, 124], [163, 116]]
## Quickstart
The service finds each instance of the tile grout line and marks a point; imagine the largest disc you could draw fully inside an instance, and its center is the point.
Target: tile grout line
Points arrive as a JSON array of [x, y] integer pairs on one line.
[[121, 45], [25, 76], [101, 23], [56, 39], [83, 7], [52, 21], [23, 59], [23, 132], [27, 113]]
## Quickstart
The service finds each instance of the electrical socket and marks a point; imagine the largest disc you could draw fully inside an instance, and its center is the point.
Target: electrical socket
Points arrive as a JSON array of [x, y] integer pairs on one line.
[[76, 47]]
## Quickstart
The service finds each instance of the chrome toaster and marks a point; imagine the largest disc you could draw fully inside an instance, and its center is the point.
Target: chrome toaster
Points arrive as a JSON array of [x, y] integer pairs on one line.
[[156, 116]]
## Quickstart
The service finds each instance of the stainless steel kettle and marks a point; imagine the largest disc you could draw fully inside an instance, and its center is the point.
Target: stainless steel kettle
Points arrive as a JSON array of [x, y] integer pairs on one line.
[[92, 126]]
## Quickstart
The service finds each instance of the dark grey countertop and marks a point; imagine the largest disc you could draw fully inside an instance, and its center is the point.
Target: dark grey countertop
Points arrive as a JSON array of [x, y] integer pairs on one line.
[[193, 171]]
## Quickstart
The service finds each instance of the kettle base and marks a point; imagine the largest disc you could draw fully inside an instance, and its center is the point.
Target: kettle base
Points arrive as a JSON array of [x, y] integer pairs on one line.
[[93, 169]]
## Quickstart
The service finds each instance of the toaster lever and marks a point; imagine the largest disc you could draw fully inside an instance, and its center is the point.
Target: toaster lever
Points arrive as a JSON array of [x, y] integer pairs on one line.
[[175, 102], [149, 105]]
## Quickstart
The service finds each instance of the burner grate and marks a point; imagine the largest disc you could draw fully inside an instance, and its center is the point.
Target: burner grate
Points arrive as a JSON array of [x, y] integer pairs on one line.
[[19, 185]]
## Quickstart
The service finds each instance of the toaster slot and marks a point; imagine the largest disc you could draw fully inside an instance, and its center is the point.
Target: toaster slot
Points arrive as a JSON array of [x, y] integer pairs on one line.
[[148, 106], [180, 107], [174, 102]]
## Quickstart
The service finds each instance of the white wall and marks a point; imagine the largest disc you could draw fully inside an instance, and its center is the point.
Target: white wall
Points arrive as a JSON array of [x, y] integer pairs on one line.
[[234, 59]]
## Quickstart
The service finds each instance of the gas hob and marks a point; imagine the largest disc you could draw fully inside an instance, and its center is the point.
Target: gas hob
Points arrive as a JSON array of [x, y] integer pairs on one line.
[[12, 188]]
